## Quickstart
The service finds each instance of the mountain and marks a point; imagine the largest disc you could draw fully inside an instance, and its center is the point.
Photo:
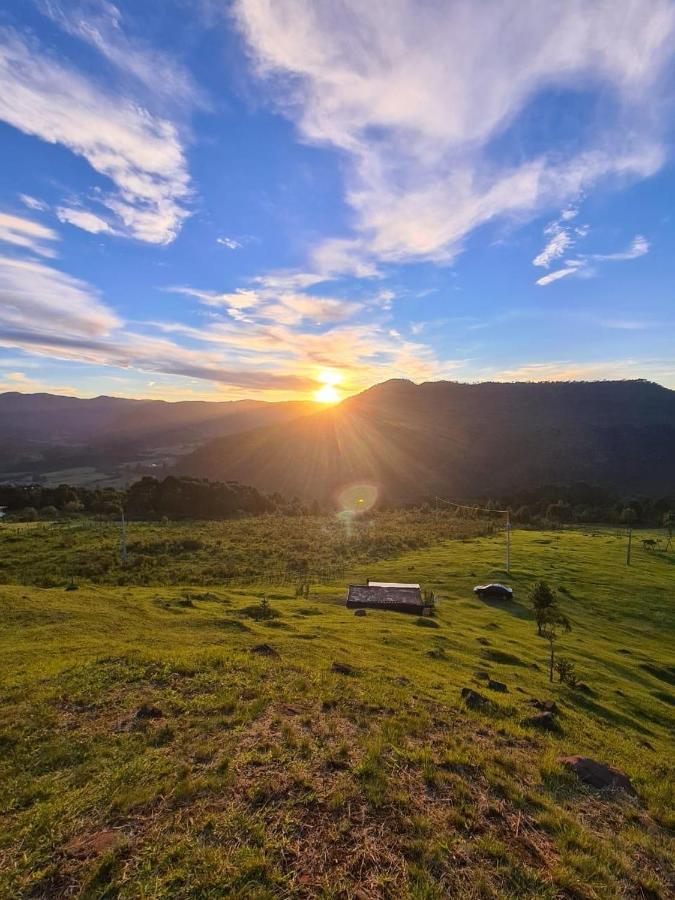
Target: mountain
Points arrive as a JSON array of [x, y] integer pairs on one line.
[[460, 440], [42, 432]]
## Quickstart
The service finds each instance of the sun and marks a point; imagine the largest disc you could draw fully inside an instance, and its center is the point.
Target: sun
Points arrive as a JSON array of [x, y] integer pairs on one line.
[[328, 392]]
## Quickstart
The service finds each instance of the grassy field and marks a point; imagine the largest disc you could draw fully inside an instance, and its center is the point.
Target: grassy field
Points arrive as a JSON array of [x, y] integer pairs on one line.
[[162, 740]]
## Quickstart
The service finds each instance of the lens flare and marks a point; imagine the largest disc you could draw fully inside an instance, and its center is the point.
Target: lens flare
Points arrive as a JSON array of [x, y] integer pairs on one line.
[[357, 498]]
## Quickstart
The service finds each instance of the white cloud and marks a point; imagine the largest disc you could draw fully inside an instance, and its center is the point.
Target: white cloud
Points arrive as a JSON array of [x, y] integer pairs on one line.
[[555, 248], [230, 243], [87, 221], [27, 234], [414, 93], [35, 295], [284, 306], [584, 264], [661, 370], [639, 247], [100, 24], [139, 153], [33, 203], [556, 275]]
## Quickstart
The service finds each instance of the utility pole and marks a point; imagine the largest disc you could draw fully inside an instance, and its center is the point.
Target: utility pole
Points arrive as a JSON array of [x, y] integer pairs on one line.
[[630, 538], [508, 542], [123, 540]]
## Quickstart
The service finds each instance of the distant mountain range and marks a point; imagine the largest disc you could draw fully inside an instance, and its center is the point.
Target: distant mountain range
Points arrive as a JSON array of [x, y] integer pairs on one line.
[[40, 433], [412, 441], [461, 440]]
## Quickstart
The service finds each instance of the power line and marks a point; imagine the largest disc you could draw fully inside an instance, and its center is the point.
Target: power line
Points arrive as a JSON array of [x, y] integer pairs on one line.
[[502, 512], [473, 508]]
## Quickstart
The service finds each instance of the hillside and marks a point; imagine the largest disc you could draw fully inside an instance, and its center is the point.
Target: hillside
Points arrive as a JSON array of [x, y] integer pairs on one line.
[[461, 440], [43, 432], [169, 741]]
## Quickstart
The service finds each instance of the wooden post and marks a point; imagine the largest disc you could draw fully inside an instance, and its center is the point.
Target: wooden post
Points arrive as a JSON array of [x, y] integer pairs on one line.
[[123, 540], [630, 538]]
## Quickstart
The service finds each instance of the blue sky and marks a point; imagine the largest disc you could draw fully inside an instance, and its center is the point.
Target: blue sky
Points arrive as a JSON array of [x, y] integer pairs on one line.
[[212, 200]]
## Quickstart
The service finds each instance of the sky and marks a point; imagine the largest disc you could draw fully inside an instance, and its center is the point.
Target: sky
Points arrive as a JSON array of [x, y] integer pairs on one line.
[[293, 199]]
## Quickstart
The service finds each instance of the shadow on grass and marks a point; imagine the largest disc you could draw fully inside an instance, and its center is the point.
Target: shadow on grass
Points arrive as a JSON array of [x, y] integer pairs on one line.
[[610, 716], [512, 607]]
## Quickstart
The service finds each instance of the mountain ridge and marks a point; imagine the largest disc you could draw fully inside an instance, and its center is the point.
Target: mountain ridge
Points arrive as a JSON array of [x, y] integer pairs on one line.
[[414, 440]]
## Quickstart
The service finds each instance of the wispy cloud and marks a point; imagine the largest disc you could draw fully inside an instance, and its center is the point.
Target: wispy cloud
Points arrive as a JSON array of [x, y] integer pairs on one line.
[[27, 234], [584, 263], [33, 203], [229, 242], [639, 247], [661, 370], [289, 307], [36, 295], [140, 154], [85, 220], [100, 24], [560, 238], [414, 94]]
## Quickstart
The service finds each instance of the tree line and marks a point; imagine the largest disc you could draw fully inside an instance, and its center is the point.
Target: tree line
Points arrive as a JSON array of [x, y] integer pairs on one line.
[[150, 498], [583, 503]]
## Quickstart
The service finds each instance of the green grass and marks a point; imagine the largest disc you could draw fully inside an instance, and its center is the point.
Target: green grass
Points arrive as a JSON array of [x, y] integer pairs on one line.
[[269, 775]]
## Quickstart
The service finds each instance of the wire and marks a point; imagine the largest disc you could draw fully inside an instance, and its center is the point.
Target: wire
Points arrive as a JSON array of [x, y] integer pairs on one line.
[[473, 508]]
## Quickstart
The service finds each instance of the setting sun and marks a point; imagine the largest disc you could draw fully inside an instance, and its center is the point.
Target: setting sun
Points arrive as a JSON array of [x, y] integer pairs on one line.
[[328, 392]]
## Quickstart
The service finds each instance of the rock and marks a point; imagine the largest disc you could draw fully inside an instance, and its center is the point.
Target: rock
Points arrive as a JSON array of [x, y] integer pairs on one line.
[[474, 700], [359, 612], [264, 650], [597, 775], [147, 711], [482, 675], [544, 705], [497, 686], [583, 688], [544, 720], [343, 668], [94, 844], [483, 640]]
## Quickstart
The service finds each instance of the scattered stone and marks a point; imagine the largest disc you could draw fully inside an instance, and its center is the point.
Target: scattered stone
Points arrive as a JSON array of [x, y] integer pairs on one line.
[[264, 650], [437, 653], [583, 688], [402, 680], [483, 640], [343, 668], [544, 720], [147, 711], [359, 612], [544, 705], [94, 844], [497, 686], [482, 675], [597, 775], [474, 700]]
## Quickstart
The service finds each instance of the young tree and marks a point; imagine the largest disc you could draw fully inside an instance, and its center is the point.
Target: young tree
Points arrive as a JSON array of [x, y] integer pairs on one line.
[[543, 600], [554, 625]]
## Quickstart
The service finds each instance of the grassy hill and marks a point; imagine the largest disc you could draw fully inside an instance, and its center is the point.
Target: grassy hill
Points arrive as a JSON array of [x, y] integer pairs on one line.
[[167, 741], [460, 440]]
